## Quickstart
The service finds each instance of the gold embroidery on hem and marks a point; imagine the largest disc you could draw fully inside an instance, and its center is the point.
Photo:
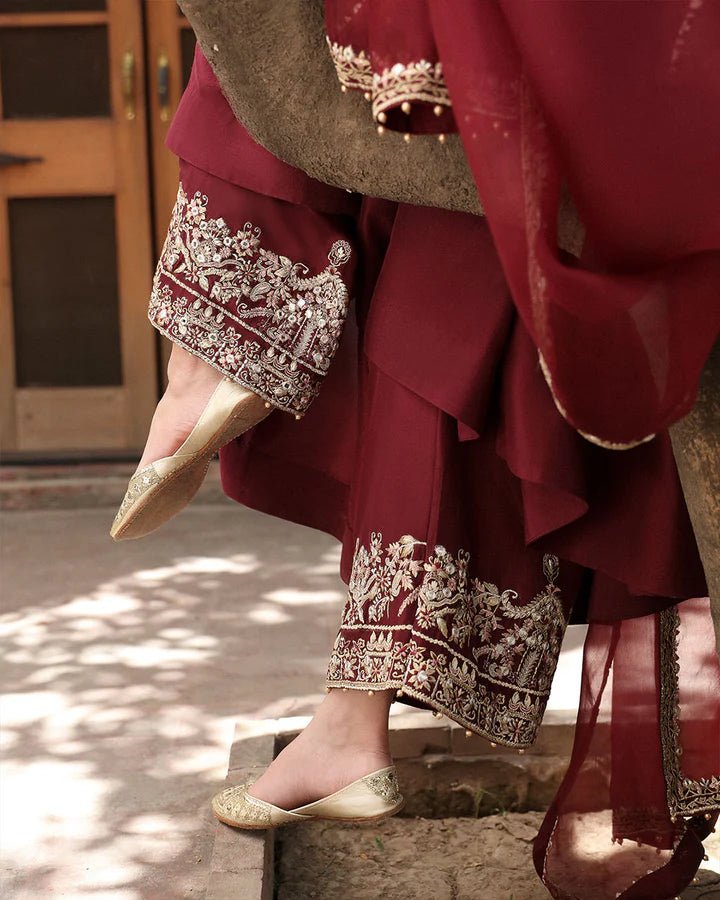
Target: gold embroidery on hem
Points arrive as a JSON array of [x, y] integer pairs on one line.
[[235, 375], [414, 82], [686, 796], [418, 81], [353, 68], [600, 442], [254, 315], [451, 712], [466, 649]]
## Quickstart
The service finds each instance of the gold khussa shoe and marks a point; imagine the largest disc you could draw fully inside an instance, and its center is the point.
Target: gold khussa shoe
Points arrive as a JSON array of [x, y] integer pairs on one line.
[[369, 799], [163, 488]]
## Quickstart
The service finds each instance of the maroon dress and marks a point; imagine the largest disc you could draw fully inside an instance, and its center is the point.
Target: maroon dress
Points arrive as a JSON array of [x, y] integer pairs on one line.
[[475, 522]]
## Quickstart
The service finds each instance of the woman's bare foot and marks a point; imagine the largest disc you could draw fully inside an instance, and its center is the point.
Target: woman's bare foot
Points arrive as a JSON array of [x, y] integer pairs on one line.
[[190, 384], [346, 739]]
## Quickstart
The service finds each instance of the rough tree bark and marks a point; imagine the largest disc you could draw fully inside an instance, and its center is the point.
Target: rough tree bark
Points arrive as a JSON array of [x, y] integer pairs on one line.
[[696, 442]]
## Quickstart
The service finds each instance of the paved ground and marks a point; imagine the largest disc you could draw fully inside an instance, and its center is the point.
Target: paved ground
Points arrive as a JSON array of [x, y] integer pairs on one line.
[[126, 667]]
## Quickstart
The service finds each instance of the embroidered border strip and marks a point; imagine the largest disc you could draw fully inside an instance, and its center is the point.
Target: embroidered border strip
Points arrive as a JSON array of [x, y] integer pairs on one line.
[[419, 624], [418, 81], [686, 796], [254, 315], [415, 82]]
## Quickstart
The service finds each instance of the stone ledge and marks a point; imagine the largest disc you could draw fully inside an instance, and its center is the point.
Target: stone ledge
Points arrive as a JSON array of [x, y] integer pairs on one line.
[[442, 772], [242, 861]]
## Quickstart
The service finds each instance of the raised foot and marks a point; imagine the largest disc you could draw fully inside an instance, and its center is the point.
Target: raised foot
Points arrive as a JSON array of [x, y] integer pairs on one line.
[[191, 385]]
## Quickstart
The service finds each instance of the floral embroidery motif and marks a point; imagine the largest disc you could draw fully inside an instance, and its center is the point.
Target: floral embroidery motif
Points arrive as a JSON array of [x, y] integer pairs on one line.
[[385, 785], [251, 313], [419, 81], [414, 82], [354, 69], [458, 644]]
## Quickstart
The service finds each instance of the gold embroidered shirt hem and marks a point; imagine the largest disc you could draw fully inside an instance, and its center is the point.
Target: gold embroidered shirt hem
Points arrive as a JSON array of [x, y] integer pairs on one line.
[[417, 81]]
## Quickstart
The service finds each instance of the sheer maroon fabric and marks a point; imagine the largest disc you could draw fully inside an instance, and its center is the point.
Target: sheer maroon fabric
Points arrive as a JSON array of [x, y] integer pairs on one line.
[[620, 102], [613, 829]]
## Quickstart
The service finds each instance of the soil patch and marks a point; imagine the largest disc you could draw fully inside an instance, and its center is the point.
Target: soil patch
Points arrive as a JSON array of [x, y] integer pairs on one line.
[[411, 859]]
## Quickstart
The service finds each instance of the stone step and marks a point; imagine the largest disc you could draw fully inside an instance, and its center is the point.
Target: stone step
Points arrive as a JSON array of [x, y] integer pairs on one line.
[[242, 862], [82, 486], [441, 771], [440, 847]]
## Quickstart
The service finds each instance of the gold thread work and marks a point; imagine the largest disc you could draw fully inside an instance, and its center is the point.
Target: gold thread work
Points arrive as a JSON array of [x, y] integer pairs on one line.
[[416, 622], [255, 315]]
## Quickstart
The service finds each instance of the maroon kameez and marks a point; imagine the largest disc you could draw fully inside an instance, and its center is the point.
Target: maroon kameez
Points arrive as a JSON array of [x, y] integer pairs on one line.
[[475, 522]]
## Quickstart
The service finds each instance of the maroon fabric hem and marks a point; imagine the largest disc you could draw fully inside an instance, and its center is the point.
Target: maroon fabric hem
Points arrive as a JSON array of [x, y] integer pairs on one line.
[[561, 507], [269, 485]]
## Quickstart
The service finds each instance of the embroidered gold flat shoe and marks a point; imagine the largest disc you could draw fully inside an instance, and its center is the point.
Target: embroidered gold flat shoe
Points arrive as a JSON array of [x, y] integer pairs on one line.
[[369, 799], [163, 488]]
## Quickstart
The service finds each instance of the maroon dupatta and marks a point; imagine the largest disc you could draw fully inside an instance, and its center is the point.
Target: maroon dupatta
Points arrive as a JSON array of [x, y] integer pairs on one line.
[[619, 105]]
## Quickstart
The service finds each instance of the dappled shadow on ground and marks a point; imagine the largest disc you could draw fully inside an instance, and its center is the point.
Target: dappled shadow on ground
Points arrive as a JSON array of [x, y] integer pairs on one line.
[[125, 669]]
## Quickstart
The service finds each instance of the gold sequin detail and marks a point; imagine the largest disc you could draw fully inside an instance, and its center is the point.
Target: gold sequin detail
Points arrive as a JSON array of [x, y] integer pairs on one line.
[[255, 315], [385, 785], [141, 482], [235, 803], [418, 623]]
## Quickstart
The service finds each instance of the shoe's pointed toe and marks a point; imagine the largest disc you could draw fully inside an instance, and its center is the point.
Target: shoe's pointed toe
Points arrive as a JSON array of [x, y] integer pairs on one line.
[[162, 489], [235, 806], [140, 483]]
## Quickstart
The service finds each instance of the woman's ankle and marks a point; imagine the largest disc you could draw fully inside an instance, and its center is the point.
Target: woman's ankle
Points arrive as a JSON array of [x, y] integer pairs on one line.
[[354, 720], [185, 370]]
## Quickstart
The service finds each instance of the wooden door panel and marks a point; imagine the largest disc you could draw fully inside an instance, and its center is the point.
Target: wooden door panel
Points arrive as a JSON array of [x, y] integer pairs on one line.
[[92, 156], [56, 418], [76, 156]]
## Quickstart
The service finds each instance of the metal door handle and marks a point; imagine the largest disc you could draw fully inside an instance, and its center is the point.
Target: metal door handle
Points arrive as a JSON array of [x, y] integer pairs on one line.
[[128, 83], [163, 85], [12, 159]]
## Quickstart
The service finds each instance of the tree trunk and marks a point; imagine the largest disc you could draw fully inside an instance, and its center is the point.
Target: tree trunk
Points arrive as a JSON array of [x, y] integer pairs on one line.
[[696, 443]]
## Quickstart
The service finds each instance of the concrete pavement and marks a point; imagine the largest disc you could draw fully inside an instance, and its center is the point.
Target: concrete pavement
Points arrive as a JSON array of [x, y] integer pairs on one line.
[[125, 669]]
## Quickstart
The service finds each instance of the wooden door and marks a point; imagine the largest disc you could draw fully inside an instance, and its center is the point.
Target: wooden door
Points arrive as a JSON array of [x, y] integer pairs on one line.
[[78, 369]]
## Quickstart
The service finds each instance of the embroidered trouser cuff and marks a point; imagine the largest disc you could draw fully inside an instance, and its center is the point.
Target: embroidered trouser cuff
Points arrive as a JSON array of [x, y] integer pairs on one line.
[[417, 622], [264, 319]]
